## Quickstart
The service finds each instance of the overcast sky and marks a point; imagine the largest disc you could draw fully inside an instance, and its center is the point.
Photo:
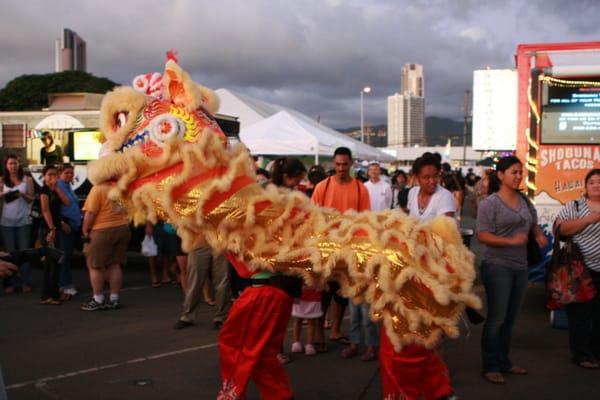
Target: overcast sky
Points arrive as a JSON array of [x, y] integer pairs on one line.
[[311, 55]]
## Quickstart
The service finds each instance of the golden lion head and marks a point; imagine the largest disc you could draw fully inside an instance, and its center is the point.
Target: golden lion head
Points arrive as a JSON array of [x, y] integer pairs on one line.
[[143, 120]]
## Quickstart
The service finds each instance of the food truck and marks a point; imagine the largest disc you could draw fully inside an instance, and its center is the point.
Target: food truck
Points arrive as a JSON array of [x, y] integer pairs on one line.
[[547, 112], [558, 120]]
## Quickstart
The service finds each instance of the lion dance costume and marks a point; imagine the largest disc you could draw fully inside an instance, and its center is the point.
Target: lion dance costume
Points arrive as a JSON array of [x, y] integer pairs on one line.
[[167, 159]]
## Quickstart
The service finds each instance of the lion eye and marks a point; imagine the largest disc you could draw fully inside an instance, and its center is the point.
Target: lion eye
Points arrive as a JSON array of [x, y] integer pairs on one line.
[[165, 127], [121, 119]]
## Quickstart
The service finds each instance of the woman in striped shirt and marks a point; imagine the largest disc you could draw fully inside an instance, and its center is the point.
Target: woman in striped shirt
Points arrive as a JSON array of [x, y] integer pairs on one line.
[[581, 219]]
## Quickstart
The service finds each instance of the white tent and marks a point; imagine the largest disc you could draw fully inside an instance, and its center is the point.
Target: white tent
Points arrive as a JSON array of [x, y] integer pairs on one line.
[[282, 134], [289, 129]]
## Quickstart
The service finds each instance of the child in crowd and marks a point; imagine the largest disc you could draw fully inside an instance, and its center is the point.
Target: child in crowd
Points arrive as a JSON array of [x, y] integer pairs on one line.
[[308, 307]]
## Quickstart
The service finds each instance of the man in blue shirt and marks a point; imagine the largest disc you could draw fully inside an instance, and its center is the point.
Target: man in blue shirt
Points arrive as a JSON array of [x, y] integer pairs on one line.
[[70, 227]]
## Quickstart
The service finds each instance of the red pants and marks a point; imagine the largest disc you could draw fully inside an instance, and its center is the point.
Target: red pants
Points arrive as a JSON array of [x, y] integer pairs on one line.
[[412, 373], [249, 343]]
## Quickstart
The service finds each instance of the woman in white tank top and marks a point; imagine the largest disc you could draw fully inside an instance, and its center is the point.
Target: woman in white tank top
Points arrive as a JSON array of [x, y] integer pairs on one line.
[[16, 195]]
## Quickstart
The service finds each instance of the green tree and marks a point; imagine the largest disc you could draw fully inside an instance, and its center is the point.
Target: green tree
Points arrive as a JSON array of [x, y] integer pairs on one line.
[[30, 92]]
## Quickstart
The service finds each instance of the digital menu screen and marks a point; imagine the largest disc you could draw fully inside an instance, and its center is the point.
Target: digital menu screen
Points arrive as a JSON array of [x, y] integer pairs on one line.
[[570, 112]]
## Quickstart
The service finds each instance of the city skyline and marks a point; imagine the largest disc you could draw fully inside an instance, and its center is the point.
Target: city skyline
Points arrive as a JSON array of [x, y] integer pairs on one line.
[[313, 56]]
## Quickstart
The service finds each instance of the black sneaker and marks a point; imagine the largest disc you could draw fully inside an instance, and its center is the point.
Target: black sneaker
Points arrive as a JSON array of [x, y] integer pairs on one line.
[[112, 305], [217, 325], [181, 324], [92, 305]]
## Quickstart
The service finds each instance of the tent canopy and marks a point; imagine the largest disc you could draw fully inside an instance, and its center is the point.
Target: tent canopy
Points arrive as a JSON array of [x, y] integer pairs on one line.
[[59, 122], [288, 128], [282, 134]]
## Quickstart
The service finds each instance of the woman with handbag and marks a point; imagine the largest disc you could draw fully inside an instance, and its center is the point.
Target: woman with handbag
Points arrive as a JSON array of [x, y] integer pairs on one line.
[[581, 220], [16, 195], [504, 220]]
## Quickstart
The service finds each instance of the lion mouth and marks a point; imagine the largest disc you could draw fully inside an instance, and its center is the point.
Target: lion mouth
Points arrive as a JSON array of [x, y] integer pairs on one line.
[[137, 140], [107, 169], [116, 169]]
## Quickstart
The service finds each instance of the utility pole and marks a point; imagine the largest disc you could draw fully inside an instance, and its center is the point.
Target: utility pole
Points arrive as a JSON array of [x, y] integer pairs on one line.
[[364, 90], [466, 124]]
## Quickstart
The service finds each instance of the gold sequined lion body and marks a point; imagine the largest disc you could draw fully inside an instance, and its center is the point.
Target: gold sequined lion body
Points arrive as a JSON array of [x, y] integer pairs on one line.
[[168, 159]]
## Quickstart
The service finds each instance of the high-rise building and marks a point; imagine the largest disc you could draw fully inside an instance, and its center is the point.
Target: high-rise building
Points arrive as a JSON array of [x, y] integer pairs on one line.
[[70, 52], [406, 122], [412, 80], [395, 120], [406, 110]]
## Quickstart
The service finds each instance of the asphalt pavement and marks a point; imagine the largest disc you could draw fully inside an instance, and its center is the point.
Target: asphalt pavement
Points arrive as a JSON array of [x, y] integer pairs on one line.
[[61, 352]]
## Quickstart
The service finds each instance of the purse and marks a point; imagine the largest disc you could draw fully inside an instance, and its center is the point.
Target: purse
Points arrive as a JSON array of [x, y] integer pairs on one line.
[[11, 196], [568, 280], [534, 253], [35, 212]]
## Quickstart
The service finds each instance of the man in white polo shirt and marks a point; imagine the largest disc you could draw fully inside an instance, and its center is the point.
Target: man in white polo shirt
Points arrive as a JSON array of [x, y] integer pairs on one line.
[[380, 192]]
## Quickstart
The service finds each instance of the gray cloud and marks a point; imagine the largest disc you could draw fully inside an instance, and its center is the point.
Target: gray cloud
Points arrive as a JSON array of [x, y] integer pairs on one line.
[[312, 55]]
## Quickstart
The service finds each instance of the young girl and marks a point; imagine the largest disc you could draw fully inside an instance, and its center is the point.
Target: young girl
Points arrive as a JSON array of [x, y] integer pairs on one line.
[[288, 172], [307, 307]]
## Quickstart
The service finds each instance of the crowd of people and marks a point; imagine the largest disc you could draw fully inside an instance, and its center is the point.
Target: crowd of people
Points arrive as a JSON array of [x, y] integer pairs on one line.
[[505, 222]]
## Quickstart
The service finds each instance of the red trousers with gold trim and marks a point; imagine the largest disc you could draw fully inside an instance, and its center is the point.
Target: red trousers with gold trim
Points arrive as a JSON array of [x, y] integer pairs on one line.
[[412, 373], [249, 342]]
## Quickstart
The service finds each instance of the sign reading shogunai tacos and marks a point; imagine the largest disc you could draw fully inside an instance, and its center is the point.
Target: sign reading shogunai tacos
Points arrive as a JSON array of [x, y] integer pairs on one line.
[[564, 169]]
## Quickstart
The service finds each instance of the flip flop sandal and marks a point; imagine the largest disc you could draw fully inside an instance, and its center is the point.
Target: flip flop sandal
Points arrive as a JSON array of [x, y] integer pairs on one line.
[[65, 297], [494, 377], [156, 284], [588, 364], [349, 352], [283, 358], [50, 302], [321, 347], [516, 371], [341, 339]]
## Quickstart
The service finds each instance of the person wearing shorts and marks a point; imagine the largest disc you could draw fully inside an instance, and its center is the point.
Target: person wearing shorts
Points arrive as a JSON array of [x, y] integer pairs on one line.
[[168, 245], [105, 237]]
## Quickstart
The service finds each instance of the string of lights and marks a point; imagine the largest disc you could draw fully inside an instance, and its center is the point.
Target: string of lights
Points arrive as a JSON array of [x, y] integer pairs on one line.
[[531, 161], [567, 82]]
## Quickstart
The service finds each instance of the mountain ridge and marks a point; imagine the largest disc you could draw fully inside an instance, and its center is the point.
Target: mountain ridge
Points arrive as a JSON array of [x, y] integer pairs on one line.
[[437, 130]]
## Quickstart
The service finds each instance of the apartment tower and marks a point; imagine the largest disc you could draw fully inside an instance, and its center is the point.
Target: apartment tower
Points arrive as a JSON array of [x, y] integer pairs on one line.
[[406, 110], [70, 52]]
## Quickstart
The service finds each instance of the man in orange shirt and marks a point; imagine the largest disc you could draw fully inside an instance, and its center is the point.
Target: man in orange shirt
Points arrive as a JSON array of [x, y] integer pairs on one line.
[[341, 192], [105, 237]]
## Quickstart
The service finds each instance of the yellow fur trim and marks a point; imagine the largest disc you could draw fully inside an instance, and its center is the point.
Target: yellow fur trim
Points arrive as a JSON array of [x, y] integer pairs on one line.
[[122, 99]]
